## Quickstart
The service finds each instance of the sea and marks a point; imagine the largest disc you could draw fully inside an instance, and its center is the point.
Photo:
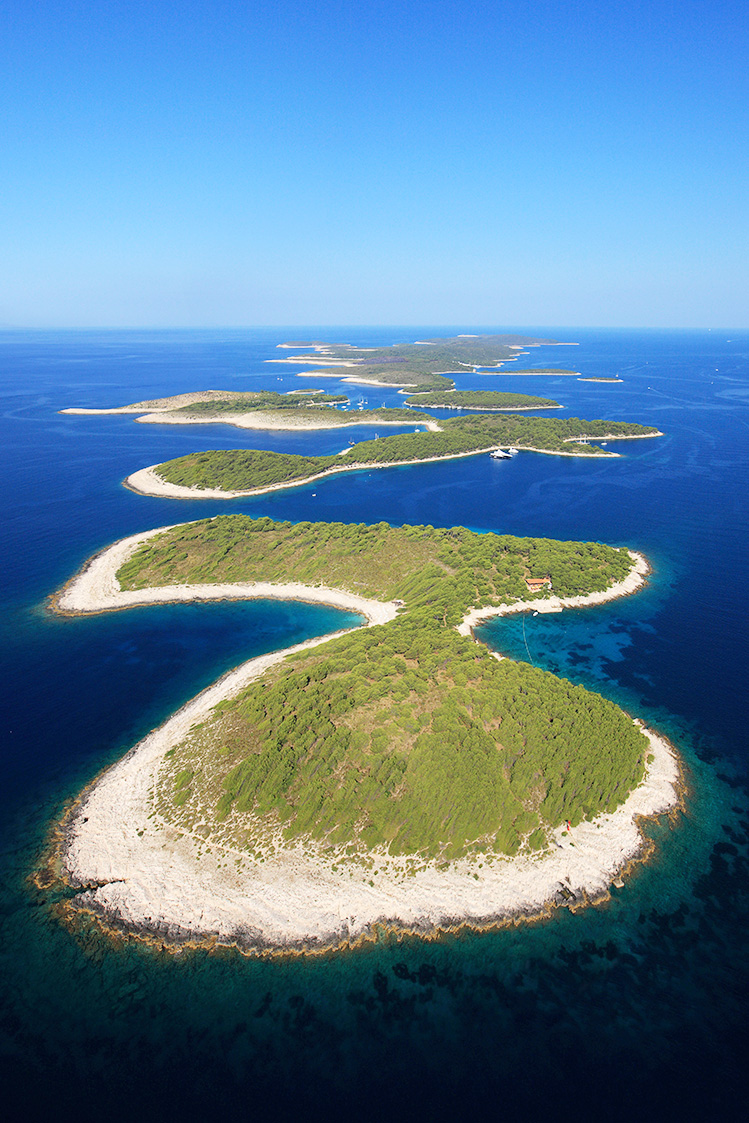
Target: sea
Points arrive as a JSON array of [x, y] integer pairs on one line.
[[635, 1008]]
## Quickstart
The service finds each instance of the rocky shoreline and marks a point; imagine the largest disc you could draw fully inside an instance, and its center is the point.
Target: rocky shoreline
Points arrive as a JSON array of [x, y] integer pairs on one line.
[[138, 873]]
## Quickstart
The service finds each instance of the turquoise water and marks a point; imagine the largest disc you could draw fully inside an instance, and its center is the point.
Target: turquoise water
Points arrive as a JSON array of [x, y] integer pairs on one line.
[[638, 1005]]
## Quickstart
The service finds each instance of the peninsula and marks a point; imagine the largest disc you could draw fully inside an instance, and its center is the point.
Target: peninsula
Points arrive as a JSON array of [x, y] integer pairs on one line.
[[395, 775], [227, 473]]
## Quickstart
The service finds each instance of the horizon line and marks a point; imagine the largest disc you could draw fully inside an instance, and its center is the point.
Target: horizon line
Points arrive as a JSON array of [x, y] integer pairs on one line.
[[499, 329]]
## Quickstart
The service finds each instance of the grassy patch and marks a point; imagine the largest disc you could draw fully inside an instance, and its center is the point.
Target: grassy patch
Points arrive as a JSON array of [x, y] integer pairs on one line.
[[479, 399], [246, 469], [408, 737]]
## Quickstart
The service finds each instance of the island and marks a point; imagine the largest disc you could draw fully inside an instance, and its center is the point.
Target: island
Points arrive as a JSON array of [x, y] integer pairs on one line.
[[308, 409], [260, 409], [545, 371], [399, 775], [426, 364], [228, 473], [486, 401]]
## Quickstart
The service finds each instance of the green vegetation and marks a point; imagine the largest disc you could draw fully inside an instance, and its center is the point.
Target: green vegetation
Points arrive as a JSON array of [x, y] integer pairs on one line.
[[251, 400], [297, 406], [416, 739], [478, 399], [406, 736], [301, 406], [411, 563], [246, 469], [243, 469], [388, 415], [424, 364]]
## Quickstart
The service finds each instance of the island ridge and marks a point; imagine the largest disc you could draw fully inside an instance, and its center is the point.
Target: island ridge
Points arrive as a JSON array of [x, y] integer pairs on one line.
[[395, 770], [226, 473]]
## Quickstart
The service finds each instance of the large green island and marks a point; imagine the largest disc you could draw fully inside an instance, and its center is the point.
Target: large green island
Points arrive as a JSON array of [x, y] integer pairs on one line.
[[397, 775], [227, 473]]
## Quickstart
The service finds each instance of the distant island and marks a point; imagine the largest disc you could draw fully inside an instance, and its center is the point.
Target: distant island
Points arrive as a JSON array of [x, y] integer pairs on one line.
[[396, 775], [260, 409], [426, 364], [227, 473], [487, 401], [306, 409], [550, 371]]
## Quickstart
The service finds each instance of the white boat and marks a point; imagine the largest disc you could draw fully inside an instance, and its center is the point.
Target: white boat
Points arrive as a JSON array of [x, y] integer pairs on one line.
[[499, 454]]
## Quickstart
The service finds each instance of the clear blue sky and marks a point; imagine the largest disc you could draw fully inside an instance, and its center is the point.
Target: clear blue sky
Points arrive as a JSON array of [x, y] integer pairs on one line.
[[282, 161]]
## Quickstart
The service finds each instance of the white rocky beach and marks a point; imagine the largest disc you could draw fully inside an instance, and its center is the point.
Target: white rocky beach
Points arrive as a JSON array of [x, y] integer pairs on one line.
[[136, 870]]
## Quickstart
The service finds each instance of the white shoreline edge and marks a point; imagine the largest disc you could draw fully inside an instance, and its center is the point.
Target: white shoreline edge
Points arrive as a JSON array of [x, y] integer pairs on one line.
[[142, 874], [146, 481], [261, 419], [483, 409]]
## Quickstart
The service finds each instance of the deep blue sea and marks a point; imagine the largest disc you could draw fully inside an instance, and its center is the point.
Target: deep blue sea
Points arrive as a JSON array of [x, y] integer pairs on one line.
[[635, 1009]]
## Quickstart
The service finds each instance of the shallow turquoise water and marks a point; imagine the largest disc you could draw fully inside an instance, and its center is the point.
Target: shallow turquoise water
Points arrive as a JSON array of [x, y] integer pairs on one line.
[[640, 1002]]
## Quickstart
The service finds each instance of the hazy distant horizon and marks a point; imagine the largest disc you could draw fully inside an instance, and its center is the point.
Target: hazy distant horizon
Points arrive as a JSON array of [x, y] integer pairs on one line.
[[222, 164], [504, 329]]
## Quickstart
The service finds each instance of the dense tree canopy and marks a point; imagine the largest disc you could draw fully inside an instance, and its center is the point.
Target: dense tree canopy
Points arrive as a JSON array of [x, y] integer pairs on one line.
[[246, 469], [426, 363], [478, 399], [406, 736]]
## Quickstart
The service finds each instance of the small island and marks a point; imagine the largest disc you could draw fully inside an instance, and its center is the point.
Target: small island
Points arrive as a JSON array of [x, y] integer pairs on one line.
[[261, 409], [544, 371], [397, 775], [485, 401], [228, 473]]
